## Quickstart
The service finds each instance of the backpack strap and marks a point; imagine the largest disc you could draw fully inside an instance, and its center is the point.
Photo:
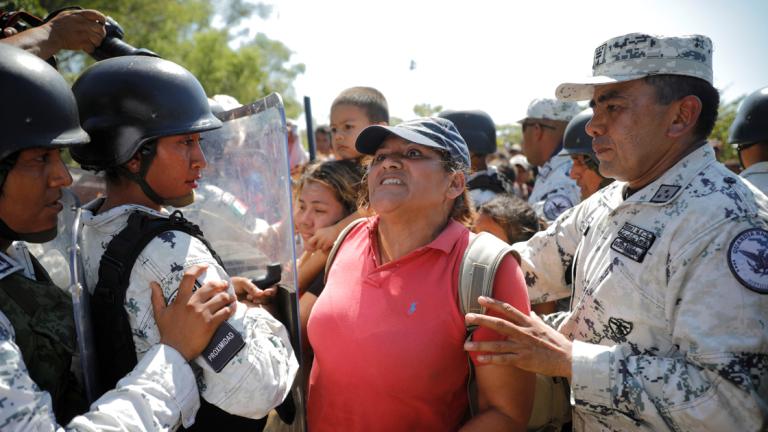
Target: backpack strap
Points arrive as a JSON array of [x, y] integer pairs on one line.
[[476, 274], [337, 243], [113, 336]]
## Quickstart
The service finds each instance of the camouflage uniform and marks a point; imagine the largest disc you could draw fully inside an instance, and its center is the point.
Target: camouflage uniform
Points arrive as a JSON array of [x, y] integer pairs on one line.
[[261, 374], [670, 284], [668, 315], [159, 391], [757, 174], [554, 191]]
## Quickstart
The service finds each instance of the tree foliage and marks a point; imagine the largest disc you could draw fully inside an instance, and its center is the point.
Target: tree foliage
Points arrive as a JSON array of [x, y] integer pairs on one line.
[[508, 134], [427, 110], [183, 31], [726, 113]]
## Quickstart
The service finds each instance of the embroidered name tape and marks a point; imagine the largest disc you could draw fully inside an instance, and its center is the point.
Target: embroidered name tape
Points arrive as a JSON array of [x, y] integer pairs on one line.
[[633, 242], [225, 344]]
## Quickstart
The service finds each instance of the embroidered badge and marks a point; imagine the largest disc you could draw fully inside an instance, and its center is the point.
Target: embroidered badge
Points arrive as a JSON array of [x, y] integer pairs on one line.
[[748, 259], [225, 344], [665, 193], [556, 205], [633, 242]]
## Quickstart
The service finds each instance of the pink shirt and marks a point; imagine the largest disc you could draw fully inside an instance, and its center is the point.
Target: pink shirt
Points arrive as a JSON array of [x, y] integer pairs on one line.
[[388, 339]]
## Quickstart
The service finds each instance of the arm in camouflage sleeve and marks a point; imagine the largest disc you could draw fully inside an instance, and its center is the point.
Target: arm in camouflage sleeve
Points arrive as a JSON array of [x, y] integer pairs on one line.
[[718, 377], [260, 375], [159, 390], [547, 256]]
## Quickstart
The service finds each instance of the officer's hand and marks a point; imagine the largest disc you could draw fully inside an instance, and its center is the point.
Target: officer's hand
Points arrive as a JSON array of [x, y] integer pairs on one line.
[[531, 344], [188, 323], [250, 294], [77, 30], [9, 31], [323, 238]]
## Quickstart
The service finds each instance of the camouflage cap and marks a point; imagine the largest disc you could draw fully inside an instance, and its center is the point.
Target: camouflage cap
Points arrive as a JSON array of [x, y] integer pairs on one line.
[[551, 109], [637, 55]]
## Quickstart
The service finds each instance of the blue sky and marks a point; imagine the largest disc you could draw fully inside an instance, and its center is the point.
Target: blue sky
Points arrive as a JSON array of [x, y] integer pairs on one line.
[[495, 55]]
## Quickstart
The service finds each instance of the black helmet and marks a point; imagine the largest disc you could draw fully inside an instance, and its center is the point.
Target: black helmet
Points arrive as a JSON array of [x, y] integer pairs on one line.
[[751, 123], [40, 110], [125, 102], [575, 139], [477, 129]]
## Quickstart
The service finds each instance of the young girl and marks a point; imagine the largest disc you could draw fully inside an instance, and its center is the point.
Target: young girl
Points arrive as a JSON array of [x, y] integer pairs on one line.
[[327, 193]]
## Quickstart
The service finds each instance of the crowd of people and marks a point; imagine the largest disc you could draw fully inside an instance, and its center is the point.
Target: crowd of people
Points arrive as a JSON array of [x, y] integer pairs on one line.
[[610, 274]]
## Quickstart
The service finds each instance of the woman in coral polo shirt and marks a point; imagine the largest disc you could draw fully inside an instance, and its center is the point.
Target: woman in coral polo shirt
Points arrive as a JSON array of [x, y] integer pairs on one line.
[[387, 332]]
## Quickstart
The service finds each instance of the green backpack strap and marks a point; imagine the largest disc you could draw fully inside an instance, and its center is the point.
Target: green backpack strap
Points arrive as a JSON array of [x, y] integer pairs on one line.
[[337, 244], [481, 260]]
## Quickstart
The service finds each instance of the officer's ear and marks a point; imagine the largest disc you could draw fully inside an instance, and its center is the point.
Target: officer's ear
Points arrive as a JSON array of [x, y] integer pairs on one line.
[[684, 114], [134, 164]]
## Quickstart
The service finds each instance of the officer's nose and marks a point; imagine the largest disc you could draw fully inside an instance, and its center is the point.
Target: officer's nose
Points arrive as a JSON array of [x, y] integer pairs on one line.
[[594, 126], [198, 157]]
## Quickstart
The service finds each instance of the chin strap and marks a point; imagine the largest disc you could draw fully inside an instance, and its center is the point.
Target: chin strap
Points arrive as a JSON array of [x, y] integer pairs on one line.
[[147, 154]]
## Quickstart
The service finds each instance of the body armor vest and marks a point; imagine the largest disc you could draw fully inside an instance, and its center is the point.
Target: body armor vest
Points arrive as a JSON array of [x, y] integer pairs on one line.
[[42, 318]]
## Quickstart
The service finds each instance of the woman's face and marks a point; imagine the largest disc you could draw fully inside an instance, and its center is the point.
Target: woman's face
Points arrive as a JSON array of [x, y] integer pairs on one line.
[[410, 178], [317, 208]]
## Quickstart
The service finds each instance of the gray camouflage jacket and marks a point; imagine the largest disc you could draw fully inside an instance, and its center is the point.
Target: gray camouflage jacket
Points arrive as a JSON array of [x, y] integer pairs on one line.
[[554, 191], [258, 377], [670, 301]]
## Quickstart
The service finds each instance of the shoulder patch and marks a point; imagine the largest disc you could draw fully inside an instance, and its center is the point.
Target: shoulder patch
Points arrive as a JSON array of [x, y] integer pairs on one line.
[[665, 193], [555, 205], [748, 259]]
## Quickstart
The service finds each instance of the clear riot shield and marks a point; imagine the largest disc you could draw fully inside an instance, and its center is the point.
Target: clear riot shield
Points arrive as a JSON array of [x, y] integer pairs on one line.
[[243, 205], [61, 258]]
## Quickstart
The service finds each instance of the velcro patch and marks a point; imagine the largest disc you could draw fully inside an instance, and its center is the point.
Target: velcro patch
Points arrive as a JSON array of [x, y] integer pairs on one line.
[[633, 242], [748, 259], [225, 344], [665, 193]]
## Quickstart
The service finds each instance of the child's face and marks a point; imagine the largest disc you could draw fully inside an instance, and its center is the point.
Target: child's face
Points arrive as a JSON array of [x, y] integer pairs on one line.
[[347, 121]]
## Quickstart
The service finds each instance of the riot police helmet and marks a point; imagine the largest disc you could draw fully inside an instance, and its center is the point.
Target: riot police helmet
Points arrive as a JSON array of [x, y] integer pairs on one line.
[[751, 123], [477, 129], [576, 141], [127, 102], [40, 110]]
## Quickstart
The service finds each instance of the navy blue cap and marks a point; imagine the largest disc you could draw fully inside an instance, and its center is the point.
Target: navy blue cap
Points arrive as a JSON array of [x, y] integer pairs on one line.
[[432, 132]]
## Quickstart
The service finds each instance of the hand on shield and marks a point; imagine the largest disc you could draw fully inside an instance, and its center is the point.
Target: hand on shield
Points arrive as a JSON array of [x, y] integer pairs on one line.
[[188, 323]]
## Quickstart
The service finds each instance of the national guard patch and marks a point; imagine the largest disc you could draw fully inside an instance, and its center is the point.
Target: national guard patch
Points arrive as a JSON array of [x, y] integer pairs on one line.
[[633, 242], [665, 193], [555, 205], [748, 259]]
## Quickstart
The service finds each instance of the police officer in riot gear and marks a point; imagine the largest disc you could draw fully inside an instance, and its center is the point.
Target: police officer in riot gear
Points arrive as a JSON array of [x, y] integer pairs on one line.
[[145, 116], [577, 144], [749, 135], [37, 329]]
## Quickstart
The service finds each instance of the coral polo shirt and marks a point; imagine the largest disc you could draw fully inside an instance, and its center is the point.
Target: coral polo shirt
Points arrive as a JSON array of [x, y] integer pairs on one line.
[[388, 339]]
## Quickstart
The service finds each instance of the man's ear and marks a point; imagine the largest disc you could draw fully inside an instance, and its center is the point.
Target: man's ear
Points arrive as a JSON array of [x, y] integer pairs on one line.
[[457, 185], [685, 113], [134, 164]]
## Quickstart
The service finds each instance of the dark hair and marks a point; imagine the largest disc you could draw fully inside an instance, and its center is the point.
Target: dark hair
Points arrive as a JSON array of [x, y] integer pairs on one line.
[[670, 88], [463, 211], [343, 177], [324, 129], [368, 99], [514, 215]]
